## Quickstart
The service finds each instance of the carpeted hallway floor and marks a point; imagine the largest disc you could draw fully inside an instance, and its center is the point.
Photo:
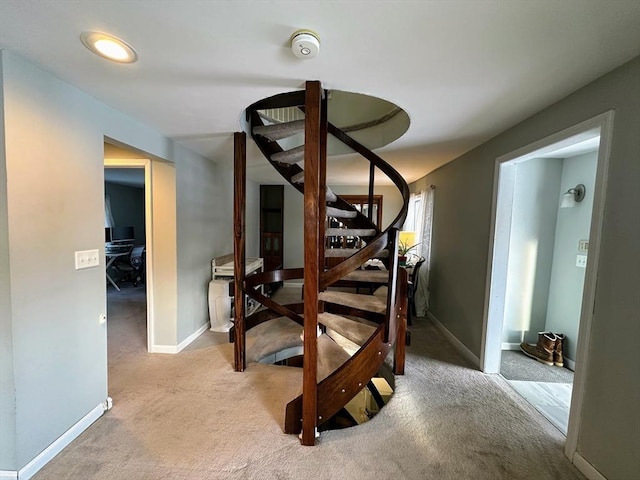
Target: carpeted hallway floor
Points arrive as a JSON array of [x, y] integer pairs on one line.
[[190, 416]]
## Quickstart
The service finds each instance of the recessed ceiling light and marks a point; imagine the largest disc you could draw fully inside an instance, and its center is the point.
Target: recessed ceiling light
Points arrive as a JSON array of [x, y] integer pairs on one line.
[[109, 47]]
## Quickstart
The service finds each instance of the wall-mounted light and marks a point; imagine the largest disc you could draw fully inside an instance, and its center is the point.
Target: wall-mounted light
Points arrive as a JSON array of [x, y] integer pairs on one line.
[[573, 196], [109, 47]]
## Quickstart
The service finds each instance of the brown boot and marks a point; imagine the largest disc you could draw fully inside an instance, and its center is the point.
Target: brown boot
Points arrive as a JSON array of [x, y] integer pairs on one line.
[[543, 350], [558, 360]]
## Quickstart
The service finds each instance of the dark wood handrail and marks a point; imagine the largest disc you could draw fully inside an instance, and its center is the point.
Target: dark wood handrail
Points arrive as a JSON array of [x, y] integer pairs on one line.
[[387, 169]]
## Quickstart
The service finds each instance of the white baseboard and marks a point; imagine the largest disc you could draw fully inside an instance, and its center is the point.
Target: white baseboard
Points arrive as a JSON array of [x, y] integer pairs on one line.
[[31, 468], [173, 349], [464, 351], [570, 364], [586, 468], [8, 475]]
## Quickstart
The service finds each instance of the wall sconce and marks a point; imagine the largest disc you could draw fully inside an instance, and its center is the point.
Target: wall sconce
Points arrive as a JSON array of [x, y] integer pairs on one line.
[[573, 196]]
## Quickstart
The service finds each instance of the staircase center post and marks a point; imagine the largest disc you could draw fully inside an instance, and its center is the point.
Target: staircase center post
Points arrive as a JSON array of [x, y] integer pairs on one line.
[[311, 267]]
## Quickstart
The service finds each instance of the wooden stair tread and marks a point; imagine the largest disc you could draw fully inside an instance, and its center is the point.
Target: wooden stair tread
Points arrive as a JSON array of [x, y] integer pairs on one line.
[[339, 213], [293, 155], [330, 196], [353, 330], [354, 232], [278, 131], [330, 357], [372, 276], [272, 337], [340, 252], [369, 303], [298, 177]]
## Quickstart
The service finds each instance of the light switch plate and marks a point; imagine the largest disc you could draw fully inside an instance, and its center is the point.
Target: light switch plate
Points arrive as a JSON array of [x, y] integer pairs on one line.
[[583, 245], [87, 258]]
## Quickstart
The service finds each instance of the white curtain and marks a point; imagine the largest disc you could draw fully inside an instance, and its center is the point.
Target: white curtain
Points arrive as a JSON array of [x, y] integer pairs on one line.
[[426, 216], [420, 220], [108, 216]]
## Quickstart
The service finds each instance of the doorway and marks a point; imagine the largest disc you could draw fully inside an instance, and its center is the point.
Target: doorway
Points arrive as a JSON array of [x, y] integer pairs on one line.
[[125, 252], [132, 172], [535, 271]]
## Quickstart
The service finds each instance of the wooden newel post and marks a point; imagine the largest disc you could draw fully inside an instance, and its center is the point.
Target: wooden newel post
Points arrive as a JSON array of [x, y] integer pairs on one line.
[[402, 307], [239, 205], [312, 246]]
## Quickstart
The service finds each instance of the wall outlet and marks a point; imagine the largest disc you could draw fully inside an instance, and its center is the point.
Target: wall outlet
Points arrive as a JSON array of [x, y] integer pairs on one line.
[[87, 258], [581, 261]]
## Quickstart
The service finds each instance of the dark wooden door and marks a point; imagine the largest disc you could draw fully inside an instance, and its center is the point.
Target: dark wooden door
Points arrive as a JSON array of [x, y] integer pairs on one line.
[[271, 226]]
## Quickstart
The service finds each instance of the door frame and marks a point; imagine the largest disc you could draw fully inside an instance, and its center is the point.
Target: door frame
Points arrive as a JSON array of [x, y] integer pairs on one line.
[[503, 189], [148, 225]]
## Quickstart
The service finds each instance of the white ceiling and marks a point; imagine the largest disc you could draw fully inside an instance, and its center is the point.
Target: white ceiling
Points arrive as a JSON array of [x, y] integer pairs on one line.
[[463, 70]]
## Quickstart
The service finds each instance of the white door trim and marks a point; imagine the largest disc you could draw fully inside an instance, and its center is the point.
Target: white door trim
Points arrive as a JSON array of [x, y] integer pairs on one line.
[[148, 220], [498, 255]]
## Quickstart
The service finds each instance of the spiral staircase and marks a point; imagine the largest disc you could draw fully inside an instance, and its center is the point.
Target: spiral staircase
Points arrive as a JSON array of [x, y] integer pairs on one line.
[[375, 324]]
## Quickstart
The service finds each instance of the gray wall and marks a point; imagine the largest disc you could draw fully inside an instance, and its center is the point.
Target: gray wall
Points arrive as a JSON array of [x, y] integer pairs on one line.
[[51, 337], [58, 378], [204, 227], [535, 207], [7, 383], [567, 280], [610, 420], [127, 208], [294, 217]]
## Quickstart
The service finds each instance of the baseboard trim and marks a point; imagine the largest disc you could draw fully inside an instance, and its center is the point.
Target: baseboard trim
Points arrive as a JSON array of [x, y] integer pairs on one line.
[[173, 349], [31, 468], [8, 475], [461, 347], [586, 468], [570, 364]]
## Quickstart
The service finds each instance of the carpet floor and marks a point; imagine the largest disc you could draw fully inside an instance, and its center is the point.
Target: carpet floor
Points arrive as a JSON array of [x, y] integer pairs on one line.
[[190, 416], [515, 365]]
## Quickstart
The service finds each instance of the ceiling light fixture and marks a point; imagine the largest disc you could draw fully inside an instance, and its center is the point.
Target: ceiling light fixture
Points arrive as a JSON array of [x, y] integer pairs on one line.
[[305, 44], [109, 47]]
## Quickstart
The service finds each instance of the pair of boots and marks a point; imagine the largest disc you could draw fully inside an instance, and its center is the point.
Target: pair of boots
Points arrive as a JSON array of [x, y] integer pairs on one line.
[[548, 350]]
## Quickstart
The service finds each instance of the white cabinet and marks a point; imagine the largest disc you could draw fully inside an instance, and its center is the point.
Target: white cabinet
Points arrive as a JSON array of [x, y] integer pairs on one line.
[[222, 269]]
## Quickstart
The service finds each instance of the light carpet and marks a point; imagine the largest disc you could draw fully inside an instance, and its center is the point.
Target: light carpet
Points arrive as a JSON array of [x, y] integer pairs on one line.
[[515, 365], [190, 416]]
